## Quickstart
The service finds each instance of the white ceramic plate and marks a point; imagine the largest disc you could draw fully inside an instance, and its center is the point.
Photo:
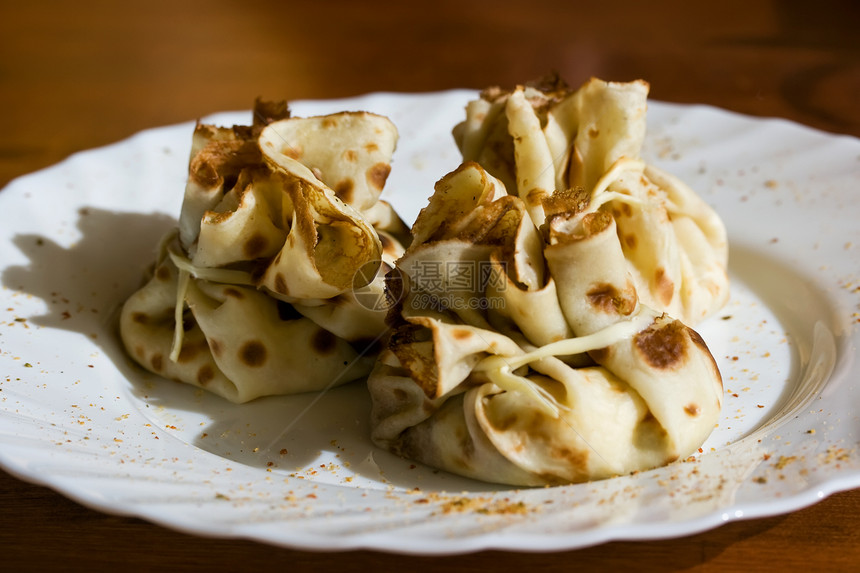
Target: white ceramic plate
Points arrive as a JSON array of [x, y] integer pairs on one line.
[[77, 416]]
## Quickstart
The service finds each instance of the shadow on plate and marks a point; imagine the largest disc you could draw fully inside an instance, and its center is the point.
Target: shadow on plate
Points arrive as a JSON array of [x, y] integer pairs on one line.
[[84, 287]]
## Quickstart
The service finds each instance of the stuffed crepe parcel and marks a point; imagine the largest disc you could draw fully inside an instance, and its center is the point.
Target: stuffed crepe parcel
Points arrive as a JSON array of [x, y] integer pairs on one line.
[[281, 224], [541, 333]]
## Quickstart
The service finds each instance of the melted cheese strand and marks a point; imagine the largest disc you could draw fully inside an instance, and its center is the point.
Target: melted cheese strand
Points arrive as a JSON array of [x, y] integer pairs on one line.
[[178, 311], [499, 369], [580, 344], [225, 276], [510, 382], [186, 270]]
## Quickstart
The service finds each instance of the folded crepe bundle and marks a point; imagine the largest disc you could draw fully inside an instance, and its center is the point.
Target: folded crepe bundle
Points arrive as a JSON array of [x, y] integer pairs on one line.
[[281, 225], [545, 138], [524, 348]]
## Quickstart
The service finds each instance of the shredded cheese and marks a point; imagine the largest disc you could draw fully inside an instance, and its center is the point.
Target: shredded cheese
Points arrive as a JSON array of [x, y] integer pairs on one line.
[[499, 368], [178, 311], [187, 269], [225, 276]]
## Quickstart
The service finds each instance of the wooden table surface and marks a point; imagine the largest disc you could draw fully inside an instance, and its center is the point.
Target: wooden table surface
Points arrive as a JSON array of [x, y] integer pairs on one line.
[[75, 75]]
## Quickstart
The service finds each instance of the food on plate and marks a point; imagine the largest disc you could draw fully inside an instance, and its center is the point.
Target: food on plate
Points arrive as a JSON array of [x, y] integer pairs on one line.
[[541, 304], [281, 225], [584, 146], [541, 331]]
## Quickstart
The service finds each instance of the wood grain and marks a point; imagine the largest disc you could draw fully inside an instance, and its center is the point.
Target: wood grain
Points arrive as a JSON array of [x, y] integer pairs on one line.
[[40, 529], [79, 75]]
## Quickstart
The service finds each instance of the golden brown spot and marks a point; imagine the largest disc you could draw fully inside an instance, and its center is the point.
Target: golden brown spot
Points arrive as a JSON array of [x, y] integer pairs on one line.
[[371, 147], [506, 423], [255, 245], [205, 374], [350, 155], [627, 209], [323, 341], [630, 241], [157, 361], [344, 189], [140, 317], [593, 132], [205, 174], [140, 352], [595, 223], [566, 201], [216, 346], [665, 286], [234, 293], [253, 353], [162, 273], [460, 334], [606, 298], [377, 174], [663, 346], [281, 284], [293, 151], [576, 459], [213, 218], [599, 355], [692, 410], [536, 197], [329, 122]]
